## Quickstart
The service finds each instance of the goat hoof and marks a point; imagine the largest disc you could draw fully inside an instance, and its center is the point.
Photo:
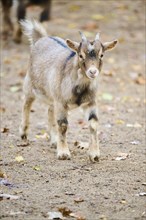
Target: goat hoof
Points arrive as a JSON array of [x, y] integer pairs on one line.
[[64, 156], [24, 137], [94, 157]]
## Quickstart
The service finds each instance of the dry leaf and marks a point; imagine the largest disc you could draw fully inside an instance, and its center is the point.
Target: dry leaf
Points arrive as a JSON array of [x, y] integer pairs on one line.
[[37, 168], [141, 194], [72, 25], [78, 216], [8, 196], [136, 125], [122, 156], [98, 17], [108, 73], [107, 96], [2, 109], [123, 201], [55, 215], [140, 80], [74, 8], [2, 174], [90, 26], [4, 130], [120, 122], [78, 199], [15, 88], [43, 136], [65, 211], [19, 159], [135, 142]]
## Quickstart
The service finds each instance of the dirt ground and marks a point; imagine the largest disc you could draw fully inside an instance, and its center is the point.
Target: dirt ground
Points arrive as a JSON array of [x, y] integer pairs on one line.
[[113, 188]]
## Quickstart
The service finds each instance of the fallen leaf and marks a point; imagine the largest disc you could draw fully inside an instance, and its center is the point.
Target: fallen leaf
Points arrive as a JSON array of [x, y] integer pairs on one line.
[[120, 122], [136, 125], [74, 8], [12, 146], [141, 194], [2, 174], [8, 196], [123, 201], [90, 26], [122, 156], [135, 142], [4, 130], [102, 217], [107, 96], [65, 211], [15, 88], [55, 215], [37, 168], [72, 25], [140, 80], [43, 136], [98, 17], [144, 184], [78, 200], [78, 216], [108, 125], [108, 73], [2, 109], [19, 159]]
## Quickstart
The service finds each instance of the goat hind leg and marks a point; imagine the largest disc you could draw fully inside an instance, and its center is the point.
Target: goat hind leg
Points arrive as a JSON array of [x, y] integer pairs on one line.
[[52, 126]]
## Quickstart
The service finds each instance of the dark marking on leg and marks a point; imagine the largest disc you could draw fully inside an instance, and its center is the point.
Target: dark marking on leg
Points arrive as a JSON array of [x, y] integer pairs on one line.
[[93, 116], [63, 125], [24, 137]]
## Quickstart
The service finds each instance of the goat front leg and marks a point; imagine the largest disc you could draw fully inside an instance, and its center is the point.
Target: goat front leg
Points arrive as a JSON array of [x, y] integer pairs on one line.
[[63, 152], [94, 152], [25, 116]]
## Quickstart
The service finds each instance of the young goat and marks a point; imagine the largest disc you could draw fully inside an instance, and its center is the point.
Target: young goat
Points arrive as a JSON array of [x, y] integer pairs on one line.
[[64, 75]]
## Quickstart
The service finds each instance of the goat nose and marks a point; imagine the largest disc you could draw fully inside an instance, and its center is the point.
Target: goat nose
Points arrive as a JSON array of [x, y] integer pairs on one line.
[[93, 72]]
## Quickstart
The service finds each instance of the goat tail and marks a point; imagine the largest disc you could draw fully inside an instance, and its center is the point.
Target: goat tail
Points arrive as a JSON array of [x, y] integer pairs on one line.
[[33, 30]]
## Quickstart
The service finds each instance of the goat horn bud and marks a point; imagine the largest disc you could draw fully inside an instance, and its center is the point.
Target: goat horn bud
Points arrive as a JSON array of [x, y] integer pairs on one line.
[[84, 39], [97, 36]]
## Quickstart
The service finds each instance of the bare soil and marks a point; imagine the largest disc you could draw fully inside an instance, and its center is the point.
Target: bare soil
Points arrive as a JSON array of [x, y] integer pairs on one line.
[[113, 188]]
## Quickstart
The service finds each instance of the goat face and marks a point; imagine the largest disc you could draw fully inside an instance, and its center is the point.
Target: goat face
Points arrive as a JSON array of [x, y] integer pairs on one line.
[[90, 54]]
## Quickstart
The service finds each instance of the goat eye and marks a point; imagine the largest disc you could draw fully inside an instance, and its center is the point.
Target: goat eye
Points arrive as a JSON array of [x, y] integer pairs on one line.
[[101, 55], [81, 56]]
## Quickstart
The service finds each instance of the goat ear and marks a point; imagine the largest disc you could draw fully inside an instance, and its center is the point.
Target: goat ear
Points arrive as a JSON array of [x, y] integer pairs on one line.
[[110, 45], [73, 45]]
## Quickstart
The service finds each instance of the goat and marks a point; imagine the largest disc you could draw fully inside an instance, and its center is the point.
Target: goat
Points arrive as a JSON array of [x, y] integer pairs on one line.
[[63, 73], [21, 13]]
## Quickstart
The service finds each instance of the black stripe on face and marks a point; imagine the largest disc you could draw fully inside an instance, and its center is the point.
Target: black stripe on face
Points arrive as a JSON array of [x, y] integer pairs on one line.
[[92, 54]]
